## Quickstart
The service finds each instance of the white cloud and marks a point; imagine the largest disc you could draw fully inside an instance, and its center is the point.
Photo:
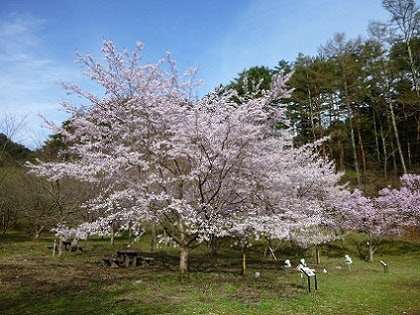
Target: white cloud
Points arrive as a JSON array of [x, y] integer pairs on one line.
[[29, 73], [19, 38]]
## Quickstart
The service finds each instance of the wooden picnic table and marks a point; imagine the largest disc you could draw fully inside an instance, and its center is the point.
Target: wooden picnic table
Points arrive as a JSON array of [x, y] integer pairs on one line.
[[128, 256]]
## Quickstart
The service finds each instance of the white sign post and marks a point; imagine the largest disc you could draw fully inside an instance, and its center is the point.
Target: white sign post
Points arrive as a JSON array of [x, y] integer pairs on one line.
[[310, 273], [384, 265]]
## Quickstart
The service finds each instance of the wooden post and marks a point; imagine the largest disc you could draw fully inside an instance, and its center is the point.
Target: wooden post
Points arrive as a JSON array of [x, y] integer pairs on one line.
[[54, 247], [317, 255], [243, 263]]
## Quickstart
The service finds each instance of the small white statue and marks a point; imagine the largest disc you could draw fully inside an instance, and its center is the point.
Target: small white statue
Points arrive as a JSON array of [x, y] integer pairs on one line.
[[302, 261], [348, 261], [299, 268], [324, 270], [257, 275]]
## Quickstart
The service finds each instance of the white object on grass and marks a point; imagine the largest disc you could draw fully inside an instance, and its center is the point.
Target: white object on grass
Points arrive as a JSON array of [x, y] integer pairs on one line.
[[348, 261]]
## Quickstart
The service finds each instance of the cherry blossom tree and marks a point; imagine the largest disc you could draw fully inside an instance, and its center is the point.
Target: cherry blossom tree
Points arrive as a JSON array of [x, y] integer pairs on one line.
[[190, 165], [294, 195], [404, 202], [386, 214], [291, 224], [369, 216], [303, 192]]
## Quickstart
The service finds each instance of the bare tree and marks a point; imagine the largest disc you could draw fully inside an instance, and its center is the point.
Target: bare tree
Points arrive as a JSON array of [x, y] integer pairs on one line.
[[10, 126]]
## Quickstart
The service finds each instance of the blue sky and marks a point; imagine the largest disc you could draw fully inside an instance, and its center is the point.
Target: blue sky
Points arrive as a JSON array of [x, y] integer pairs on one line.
[[38, 40]]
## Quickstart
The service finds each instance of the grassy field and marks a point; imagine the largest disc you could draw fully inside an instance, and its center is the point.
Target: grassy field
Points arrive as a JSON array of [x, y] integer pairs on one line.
[[34, 282]]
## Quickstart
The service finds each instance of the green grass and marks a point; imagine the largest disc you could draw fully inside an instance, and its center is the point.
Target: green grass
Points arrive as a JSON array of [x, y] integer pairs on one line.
[[34, 282]]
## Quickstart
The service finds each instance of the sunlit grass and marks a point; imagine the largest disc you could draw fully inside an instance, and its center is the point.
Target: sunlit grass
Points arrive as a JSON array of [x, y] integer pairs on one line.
[[34, 282]]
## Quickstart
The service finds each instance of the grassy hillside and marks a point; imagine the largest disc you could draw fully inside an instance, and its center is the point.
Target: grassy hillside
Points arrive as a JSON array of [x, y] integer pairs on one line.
[[34, 282]]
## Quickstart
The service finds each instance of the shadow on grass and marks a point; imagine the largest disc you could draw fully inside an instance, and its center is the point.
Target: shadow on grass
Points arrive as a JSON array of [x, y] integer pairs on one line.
[[78, 300], [15, 237]]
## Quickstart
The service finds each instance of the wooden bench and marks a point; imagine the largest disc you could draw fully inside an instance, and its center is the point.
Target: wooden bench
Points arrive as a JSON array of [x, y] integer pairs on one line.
[[143, 261]]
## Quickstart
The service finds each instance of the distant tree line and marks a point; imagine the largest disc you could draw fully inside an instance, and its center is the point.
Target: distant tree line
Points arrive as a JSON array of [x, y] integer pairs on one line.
[[362, 93]]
